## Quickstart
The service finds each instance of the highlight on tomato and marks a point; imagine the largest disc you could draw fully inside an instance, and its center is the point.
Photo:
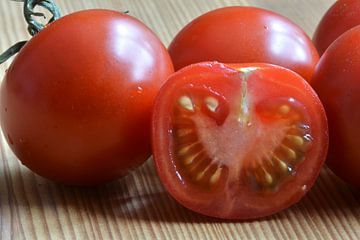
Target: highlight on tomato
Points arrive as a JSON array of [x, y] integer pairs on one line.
[[76, 101], [238, 141], [340, 17], [245, 35], [336, 80]]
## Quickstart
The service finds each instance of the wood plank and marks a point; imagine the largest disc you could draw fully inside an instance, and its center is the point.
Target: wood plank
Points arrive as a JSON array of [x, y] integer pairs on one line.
[[137, 206]]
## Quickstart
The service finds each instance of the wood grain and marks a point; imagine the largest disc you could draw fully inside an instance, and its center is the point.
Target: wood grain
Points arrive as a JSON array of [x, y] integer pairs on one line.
[[137, 206]]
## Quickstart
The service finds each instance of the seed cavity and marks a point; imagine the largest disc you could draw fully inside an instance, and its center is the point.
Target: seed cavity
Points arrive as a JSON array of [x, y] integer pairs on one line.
[[262, 177], [188, 160], [202, 173], [268, 170], [216, 176], [186, 103], [185, 149], [184, 131], [268, 178], [290, 152], [297, 140], [284, 109], [282, 165], [211, 103]]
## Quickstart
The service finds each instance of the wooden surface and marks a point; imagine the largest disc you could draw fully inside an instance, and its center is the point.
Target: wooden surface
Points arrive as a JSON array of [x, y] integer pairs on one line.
[[137, 206]]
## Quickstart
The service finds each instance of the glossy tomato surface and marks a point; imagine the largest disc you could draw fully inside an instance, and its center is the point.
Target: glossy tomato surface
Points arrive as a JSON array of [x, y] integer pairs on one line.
[[337, 82], [342, 16], [238, 142], [243, 35], [76, 102]]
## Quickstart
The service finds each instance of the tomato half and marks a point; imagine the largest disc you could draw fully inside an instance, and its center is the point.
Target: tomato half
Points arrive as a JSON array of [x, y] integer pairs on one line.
[[243, 35], [238, 142], [337, 82], [76, 102], [342, 16]]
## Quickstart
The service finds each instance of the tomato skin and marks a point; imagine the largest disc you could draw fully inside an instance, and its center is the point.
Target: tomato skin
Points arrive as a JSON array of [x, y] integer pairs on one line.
[[244, 204], [76, 102], [341, 16], [243, 35], [336, 80]]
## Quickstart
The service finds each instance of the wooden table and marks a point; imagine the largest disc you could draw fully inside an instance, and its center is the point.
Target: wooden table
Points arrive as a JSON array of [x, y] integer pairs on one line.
[[137, 206]]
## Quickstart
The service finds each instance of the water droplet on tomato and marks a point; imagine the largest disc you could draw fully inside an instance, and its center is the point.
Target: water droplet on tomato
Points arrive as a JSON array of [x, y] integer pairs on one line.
[[140, 89], [179, 177], [308, 137]]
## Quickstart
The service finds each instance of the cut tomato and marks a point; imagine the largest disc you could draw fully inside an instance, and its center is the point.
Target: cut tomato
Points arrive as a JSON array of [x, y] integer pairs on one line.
[[238, 141]]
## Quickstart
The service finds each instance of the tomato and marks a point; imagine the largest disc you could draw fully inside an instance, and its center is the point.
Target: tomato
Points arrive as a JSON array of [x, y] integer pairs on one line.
[[336, 80], [76, 102], [243, 35], [342, 16], [238, 141]]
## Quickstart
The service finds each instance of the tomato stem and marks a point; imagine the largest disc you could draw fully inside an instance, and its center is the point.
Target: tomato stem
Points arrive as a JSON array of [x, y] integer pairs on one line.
[[33, 26]]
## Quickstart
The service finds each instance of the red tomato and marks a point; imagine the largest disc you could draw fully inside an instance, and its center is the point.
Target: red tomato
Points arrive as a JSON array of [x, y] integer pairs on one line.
[[337, 82], [76, 102], [243, 35], [342, 16], [238, 142]]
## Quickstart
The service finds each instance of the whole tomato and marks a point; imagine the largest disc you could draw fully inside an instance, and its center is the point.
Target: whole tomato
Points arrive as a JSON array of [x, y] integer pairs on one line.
[[342, 16], [76, 101], [337, 82], [238, 141], [243, 35]]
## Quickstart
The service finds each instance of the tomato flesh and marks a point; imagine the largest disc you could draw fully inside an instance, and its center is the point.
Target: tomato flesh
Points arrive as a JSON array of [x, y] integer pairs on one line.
[[225, 150]]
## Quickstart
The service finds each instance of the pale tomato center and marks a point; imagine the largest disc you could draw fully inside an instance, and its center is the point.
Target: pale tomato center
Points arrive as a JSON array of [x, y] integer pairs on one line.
[[256, 143]]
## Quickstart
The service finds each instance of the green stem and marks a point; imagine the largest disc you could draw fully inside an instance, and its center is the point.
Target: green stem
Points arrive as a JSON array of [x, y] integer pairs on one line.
[[33, 26], [11, 51]]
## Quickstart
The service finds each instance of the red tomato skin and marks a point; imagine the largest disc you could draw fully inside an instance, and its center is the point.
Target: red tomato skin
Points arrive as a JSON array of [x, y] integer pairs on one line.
[[342, 16], [336, 80], [215, 205], [76, 102], [245, 35]]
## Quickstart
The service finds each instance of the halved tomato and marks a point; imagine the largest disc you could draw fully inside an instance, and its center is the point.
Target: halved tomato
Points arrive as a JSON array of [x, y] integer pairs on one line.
[[238, 141]]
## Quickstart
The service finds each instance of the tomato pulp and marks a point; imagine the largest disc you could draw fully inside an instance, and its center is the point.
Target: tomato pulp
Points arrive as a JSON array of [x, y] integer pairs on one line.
[[238, 141], [76, 102], [336, 80], [243, 35]]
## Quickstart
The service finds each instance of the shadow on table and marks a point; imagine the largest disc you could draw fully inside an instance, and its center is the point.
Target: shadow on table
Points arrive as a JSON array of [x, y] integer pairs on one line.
[[329, 197], [140, 196]]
